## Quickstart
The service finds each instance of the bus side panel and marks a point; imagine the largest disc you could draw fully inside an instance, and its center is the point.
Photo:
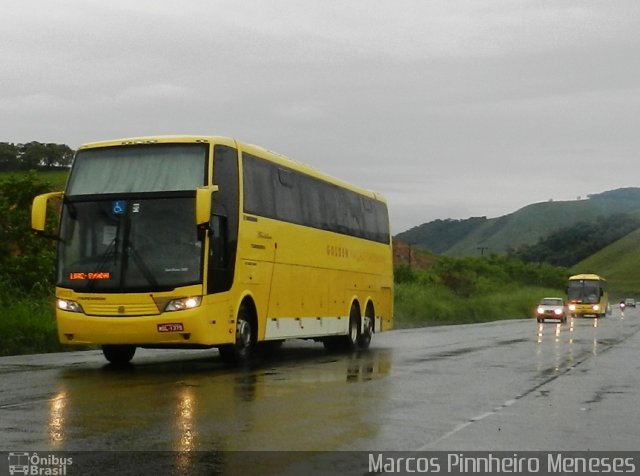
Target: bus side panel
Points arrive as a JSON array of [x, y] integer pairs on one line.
[[316, 273]]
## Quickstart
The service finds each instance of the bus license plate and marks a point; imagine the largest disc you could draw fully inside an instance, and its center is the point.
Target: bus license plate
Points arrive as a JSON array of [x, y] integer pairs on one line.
[[173, 327]]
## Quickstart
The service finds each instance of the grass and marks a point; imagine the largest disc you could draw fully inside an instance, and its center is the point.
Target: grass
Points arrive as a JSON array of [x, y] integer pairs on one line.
[[27, 325], [57, 178], [617, 263], [417, 305]]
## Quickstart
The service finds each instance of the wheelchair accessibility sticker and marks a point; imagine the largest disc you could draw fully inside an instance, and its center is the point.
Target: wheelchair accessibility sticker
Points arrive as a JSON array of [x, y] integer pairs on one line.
[[118, 207]]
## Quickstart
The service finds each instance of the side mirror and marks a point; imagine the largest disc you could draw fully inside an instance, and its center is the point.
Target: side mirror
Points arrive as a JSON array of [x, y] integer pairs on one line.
[[203, 204], [39, 210]]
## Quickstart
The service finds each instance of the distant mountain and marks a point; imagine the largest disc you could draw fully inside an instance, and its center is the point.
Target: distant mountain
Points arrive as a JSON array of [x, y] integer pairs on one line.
[[526, 226]]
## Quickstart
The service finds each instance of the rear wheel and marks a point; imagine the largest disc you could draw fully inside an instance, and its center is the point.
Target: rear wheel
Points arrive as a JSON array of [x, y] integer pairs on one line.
[[351, 340], [367, 332], [346, 342], [118, 354]]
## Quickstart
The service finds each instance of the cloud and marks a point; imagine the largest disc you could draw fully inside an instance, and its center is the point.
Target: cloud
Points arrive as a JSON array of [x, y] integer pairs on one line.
[[440, 104], [152, 92]]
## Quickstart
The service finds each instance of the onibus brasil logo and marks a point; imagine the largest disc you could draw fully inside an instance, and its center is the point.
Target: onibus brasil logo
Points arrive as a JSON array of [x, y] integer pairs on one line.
[[35, 464]]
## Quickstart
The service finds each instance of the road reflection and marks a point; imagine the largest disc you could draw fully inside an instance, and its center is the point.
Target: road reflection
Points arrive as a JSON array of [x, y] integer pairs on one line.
[[184, 421], [300, 400], [56, 419], [569, 343]]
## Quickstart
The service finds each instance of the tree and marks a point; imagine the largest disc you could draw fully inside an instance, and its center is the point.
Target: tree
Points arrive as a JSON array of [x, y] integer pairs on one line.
[[8, 156], [34, 155], [25, 260]]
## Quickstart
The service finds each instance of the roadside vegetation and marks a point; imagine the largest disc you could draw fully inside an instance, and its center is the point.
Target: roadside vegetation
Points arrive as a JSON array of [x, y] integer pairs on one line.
[[26, 270], [473, 289]]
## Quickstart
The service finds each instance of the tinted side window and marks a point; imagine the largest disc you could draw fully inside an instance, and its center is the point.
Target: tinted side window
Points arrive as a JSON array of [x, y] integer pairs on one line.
[[259, 196], [277, 192]]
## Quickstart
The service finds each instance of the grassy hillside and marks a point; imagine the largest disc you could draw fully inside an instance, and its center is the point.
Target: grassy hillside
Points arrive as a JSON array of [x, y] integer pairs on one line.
[[523, 227], [619, 263]]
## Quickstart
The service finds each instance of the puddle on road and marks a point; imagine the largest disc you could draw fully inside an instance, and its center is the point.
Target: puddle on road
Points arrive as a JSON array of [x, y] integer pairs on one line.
[[190, 403]]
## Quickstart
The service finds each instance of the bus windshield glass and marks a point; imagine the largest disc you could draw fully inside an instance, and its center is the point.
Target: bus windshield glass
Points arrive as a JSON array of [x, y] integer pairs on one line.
[[583, 291], [139, 244], [139, 169]]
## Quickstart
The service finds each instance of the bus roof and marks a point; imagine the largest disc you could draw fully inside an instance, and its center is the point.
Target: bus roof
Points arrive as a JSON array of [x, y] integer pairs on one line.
[[587, 277], [242, 146]]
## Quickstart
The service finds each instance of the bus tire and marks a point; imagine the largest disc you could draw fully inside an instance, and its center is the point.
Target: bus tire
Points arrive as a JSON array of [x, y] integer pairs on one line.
[[353, 336], [119, 354], [364, 340], [348, 342], [240, 351]]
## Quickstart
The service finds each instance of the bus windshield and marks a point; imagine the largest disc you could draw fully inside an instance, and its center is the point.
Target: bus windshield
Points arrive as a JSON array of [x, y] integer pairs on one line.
[[583, 291], [134, 244], [139, 169]]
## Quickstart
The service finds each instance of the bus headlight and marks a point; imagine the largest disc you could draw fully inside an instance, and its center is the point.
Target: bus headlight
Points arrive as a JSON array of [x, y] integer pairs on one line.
[[572, 307], [596, 307], [67, 305], [183, 303]]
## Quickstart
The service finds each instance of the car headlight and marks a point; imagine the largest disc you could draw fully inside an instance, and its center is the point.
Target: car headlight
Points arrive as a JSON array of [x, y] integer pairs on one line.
[[183, 303], [540, 310], [596, 307], [67, 305], [572, 307], [557, 311]]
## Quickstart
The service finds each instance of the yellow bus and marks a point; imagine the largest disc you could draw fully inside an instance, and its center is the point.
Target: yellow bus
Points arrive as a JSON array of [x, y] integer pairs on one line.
[[200, 242], [587, 295]]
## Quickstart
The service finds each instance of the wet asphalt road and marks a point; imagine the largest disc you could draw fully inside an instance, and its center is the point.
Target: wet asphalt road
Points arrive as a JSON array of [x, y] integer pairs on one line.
[[510, 385]]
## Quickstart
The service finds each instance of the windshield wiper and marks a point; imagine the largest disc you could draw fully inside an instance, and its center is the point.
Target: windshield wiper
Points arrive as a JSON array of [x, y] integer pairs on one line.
[[135, 256]]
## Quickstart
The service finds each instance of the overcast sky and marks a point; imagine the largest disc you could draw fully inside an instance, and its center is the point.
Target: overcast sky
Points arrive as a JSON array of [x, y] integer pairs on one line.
[[450, 108]]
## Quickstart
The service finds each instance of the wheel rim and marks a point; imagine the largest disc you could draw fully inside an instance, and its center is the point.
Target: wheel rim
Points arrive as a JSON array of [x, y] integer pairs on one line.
[[243, 334], [353, 331], [368, 325]]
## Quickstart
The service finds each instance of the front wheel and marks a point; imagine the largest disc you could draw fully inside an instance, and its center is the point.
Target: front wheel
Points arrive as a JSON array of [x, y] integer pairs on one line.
[[118, 354], [240, 351]]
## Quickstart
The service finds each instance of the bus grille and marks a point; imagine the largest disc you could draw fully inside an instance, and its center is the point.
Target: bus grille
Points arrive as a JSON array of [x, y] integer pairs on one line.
[[120, 310]]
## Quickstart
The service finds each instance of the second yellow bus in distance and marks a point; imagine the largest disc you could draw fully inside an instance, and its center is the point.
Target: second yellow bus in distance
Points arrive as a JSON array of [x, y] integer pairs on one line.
[[587, 295], [198, 242]]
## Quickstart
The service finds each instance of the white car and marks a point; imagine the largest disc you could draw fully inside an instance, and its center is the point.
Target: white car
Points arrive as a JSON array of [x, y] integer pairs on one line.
[[551, 308]]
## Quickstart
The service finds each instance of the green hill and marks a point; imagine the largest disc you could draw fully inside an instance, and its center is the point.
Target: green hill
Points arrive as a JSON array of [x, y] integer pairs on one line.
[[619, 264], [523, 227]]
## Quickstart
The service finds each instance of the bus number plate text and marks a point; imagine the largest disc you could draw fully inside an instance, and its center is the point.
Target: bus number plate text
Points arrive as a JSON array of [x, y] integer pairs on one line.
[[173, 327]]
